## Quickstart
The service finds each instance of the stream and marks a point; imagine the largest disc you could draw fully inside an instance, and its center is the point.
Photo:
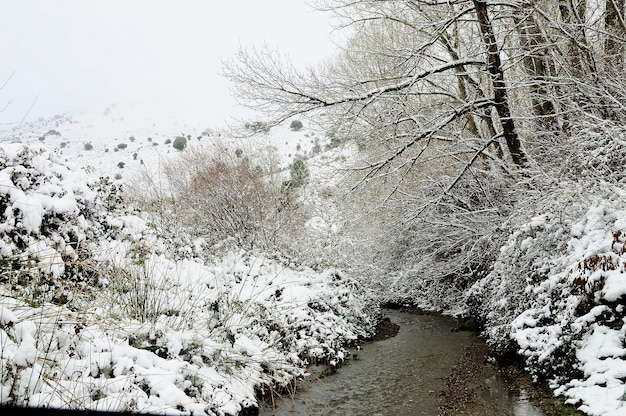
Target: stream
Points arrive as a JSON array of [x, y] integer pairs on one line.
[[398, 376]]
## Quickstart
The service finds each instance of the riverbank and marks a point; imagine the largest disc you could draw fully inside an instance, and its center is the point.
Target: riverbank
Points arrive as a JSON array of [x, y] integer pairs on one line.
[[473, 382]]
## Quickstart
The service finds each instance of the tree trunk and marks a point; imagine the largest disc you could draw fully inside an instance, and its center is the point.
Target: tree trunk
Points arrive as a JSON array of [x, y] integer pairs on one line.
[[494, 66], [539, 68]]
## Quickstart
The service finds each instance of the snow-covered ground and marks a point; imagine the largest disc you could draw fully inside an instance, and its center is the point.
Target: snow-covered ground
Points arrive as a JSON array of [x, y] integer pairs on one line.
[[97, 312], [103, 138], [220, 332]]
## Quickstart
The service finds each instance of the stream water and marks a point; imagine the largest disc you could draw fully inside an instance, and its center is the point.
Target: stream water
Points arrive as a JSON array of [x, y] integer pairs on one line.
[[398, 376]]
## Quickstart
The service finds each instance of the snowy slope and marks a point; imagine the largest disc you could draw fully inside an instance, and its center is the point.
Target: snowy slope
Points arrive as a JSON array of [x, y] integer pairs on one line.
[[97, 312], [102, 139]]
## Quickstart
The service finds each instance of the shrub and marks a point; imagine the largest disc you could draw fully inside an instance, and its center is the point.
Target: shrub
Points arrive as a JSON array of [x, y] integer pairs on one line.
[[47, 231], [257, 127], [88, 146], [299, 173], [296, 125], [222, 197], [122, 146], [167, 141], [121, 165], [317, 148], [180, 143]]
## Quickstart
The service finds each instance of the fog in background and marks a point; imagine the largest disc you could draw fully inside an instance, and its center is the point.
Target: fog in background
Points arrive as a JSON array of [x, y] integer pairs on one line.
[[161, 56]]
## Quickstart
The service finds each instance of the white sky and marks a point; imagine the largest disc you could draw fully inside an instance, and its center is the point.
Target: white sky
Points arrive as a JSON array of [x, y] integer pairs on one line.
[[67, 55]]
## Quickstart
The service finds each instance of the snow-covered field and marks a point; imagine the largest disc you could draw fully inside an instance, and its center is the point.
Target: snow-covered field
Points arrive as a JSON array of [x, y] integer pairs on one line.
[[99, 311], [102, 139]]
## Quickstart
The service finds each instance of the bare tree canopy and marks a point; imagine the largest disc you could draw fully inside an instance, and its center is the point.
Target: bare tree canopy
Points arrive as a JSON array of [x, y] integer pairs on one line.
[[462, 110]]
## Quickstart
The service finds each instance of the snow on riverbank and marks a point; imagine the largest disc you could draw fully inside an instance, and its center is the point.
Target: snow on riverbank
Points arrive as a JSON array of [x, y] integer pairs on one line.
[[219, 332], [558, 292], [95, 311]]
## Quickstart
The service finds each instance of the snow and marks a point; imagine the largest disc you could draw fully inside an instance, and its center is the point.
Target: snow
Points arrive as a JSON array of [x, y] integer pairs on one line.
[[7, 318], [569, 325], [200, 365], [614, 285], [147, 141], [102, 314], [115, 316]]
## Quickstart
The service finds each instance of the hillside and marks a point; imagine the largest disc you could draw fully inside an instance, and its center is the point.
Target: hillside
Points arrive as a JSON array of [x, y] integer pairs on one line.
[[102, 309], [102, 138]]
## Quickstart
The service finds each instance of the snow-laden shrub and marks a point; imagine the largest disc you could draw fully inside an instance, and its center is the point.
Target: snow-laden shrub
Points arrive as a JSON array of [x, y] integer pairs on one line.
[[218, 196], [595, 149], [526, 259], [220, 333], [556, 297], [48, 214], [580, 307]]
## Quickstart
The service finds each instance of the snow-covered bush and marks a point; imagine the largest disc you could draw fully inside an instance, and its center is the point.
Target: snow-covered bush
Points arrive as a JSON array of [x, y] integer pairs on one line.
[[502, 295], [219, 196], [579, 308], [219, 334], [594, 150], [556, 297], [49, 214]]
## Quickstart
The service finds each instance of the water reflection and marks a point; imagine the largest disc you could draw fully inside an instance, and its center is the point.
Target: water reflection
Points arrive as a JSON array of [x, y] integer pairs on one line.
[[512, 402]]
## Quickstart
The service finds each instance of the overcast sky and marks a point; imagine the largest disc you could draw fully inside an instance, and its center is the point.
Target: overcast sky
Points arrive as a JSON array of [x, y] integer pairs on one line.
[[67, 55]]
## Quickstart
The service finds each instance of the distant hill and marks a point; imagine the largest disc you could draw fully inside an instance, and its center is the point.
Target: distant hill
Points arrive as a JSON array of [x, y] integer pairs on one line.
[[115, 140]]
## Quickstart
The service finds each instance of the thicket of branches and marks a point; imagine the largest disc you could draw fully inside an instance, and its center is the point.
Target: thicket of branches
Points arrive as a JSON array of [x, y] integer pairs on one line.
[[467, 111], [222, 196]]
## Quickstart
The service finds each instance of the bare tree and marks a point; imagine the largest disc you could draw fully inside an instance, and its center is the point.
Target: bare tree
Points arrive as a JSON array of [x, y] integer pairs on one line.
[[416, 78], [457, 104]]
